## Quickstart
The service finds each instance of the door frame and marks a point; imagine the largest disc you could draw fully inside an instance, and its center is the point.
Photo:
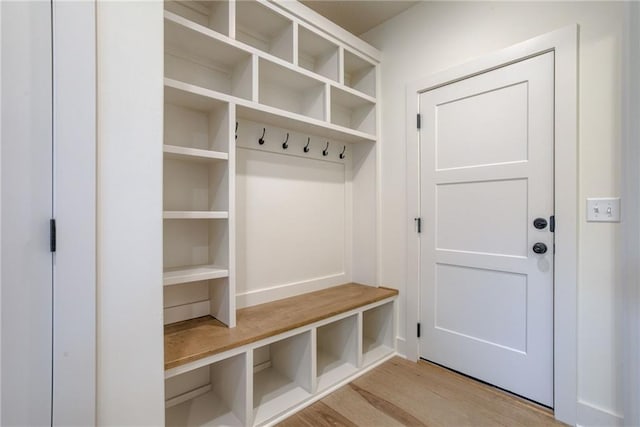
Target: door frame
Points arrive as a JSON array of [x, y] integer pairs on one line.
[[564, 44]]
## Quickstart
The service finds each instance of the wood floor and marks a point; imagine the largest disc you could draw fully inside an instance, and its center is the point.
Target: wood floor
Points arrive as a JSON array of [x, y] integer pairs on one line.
[[400, 392]]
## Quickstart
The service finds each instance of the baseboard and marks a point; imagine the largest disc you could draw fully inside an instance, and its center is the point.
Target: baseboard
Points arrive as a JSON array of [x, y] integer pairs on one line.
[[592, 416], [260, 296]]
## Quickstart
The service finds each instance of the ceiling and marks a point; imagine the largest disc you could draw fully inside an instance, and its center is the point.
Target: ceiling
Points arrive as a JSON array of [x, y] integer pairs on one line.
[[359, 16]]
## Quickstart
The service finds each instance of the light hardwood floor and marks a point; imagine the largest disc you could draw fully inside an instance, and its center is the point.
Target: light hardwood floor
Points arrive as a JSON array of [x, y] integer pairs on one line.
[[400, 392]]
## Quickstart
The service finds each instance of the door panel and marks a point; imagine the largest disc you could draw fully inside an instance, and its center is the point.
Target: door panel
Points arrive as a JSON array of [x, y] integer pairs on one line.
[[26, 206], [486, 148]]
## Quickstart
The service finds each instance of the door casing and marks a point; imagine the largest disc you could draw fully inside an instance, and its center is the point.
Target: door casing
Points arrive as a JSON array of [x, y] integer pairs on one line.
[[564, 44]]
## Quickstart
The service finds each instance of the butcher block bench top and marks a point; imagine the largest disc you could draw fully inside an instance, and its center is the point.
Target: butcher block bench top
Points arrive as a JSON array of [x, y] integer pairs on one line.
[[195, 339]]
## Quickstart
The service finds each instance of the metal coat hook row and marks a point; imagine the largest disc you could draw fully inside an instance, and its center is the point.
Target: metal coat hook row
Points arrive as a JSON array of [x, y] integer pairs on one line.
[[236, 130], [306, 147], [285, 144], [261, 140], [325, 152], [344, 148]]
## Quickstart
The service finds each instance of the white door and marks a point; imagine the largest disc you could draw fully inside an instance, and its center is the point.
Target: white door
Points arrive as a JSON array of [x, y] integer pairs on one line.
[[486, 147], [26, 207]]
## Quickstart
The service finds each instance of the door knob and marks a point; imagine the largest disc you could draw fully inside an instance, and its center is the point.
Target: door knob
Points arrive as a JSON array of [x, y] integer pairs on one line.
[[540, 223], [540, 248]]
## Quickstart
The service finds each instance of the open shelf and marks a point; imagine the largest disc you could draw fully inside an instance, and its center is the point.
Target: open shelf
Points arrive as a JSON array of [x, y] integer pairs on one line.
[[259, 26], [377, 333], [178, 275], [213, 14], [317, 54], [288, 90], [194, 154], [337, 350], [213, 395], [193, 55], [195, 129], [352, 111], [359, 74], [195, 189], [197, 98], [282, 377]]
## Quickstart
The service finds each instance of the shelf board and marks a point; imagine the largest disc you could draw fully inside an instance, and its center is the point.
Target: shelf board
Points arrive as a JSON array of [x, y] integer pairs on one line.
[[204, 410], [332, 370], [373, 351], [195, 215], [175, 276], [349, 97], [199, 98], [196, 154], [273, 393]]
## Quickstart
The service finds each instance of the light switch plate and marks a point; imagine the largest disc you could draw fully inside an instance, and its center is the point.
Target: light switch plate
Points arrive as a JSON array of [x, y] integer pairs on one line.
[[604, 209]]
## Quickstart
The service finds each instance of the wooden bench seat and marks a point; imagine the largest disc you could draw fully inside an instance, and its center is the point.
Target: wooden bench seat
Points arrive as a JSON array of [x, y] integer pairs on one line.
[[195, 339]]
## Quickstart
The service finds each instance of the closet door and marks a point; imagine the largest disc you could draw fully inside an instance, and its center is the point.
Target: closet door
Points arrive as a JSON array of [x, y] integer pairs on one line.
[[25, 209]]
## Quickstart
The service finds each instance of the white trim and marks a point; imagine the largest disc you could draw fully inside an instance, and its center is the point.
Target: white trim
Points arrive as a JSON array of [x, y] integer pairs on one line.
[[630, 232], [590, 415], [564, 43]]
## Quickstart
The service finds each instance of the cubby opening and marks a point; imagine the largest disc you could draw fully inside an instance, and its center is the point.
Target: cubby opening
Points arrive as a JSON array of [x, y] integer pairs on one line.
[[192, 299], [317, 54], [212, 395], [352, 111], [213, 14], [282, 376], [198, 59], [377, 333], [260, 27], [191, 187], [195, 126], [288, 90], [359, 74], [337, 350]]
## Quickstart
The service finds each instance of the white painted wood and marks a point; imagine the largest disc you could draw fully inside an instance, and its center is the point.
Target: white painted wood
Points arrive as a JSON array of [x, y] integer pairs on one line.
[[564, 45], [175, 276], [26, 154], [184, 153], [195, 215], [129, 202], [359, 74], [212, 14], [262, 28], [74, 87], [477, 316], [377, 333], [337, 351], [352, 111], [317, 54]]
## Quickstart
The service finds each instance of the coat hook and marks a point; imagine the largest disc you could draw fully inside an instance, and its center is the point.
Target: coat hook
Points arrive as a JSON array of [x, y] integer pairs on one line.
[[236, 130], [306, 147], [344, 148], [285, 144], [261, 140], [325, 152]]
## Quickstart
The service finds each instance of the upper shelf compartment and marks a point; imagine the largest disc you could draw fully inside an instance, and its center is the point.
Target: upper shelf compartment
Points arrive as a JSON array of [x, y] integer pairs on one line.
[[288, 90], [213, 14], [260, 27], [317, 54], [359, 74], [194, 55], [353, 111]]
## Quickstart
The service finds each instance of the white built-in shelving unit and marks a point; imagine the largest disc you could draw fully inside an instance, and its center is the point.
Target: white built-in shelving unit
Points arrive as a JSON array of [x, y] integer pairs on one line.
[[259, 64]]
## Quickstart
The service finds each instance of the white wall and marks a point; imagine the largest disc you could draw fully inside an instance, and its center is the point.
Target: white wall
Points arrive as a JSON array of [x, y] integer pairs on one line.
[[434, 36], [130, 372]]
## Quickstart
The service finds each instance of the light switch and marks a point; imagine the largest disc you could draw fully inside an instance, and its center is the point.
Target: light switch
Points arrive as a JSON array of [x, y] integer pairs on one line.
[[605, 209]]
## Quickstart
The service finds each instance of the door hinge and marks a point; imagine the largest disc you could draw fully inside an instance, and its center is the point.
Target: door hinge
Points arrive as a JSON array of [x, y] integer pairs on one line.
[[418, 222], [52, 235], [419, 121], [418, 330], [552, 223]]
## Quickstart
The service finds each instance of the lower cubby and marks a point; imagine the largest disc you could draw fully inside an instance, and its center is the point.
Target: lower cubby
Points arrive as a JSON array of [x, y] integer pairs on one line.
[[377, 333], [282, 376], [212, 395], [337, 351]]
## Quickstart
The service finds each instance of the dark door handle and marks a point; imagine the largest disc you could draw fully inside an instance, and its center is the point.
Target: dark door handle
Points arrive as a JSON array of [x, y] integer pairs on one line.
[[540, 248], [540, 223]]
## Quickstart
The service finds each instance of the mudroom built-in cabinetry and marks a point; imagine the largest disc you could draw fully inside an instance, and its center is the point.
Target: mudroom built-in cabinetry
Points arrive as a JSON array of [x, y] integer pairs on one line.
[[270, 193]]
